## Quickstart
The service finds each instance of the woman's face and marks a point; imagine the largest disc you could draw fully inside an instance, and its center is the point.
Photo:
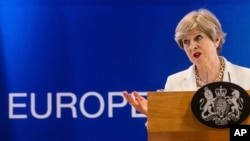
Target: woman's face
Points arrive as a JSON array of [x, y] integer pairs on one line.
[[199, 48]]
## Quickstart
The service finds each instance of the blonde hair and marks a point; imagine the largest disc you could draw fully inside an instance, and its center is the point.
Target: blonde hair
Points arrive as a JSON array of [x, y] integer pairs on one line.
[[203, 20]]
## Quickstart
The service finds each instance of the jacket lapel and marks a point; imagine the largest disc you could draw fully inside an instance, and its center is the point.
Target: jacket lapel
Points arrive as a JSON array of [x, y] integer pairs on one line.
[[189, 82], [229, 73]]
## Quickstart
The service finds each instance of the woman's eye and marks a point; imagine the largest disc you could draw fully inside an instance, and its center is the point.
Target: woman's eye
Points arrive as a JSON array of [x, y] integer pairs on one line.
[[198, 37], [185, 42]]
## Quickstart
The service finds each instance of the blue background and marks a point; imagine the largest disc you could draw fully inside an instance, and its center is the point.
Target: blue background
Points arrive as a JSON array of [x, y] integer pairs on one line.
[[104, 46]]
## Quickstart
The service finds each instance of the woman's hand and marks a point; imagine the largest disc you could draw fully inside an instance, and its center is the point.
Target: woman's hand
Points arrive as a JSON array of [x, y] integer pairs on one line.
[[137, 101]]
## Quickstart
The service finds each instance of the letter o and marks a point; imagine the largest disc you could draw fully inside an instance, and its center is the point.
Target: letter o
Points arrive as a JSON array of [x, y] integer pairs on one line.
[[101, 108]]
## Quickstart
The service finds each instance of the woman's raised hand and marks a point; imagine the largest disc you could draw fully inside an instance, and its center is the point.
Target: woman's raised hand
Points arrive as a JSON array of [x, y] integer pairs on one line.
[[137, 101]]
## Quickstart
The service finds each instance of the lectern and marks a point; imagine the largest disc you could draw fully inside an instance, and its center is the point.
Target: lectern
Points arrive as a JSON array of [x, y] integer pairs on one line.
[[170, 118]]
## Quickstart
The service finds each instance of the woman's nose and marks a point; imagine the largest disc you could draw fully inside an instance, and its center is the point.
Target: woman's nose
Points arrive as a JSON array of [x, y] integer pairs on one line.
[[193, 45]]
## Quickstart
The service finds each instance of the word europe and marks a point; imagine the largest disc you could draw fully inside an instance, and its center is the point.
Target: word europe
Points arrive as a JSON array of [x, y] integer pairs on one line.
[[23, 105]]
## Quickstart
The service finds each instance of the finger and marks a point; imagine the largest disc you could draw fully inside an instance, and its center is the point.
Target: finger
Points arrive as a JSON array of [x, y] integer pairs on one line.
[[128, 97], [138, 96], [141, 105], [126, 94]]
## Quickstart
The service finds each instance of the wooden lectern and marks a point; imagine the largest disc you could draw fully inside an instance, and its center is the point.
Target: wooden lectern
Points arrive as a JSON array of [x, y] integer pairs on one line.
[[170, 118]]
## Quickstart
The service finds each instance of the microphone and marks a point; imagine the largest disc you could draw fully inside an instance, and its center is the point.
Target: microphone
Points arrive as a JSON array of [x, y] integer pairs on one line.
[[229, 78], [206, 77]]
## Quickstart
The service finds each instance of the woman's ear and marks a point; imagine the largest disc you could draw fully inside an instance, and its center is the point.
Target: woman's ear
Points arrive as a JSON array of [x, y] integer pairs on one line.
[[217, 43]]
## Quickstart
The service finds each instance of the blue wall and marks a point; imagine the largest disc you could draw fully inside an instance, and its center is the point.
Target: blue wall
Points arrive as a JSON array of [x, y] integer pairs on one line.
[[85, 52]]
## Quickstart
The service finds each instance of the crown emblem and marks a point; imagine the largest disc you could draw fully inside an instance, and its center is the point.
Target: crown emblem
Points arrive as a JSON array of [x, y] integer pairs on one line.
[[220, 92]]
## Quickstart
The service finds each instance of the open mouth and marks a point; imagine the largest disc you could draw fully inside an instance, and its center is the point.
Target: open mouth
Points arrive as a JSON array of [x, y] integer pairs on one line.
[[197, 55]]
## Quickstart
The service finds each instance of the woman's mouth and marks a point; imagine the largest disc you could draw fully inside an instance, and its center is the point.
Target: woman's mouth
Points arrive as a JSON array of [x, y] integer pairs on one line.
[[197, 55]]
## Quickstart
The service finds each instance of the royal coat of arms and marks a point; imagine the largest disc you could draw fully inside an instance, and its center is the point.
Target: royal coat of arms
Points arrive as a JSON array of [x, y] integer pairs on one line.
[[220, 104]]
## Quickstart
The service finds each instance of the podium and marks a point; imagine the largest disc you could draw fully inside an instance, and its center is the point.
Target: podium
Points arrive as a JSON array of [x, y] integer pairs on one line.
[[170, 118]]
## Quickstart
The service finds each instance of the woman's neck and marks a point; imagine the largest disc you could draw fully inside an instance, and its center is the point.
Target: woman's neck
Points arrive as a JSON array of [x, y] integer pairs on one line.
[[210, 72]]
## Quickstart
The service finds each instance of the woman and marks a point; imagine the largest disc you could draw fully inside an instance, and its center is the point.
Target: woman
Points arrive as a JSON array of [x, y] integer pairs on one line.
[[200, 35]]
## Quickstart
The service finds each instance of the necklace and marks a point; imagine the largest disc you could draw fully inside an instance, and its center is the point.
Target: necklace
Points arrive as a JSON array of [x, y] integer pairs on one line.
[[201, 83]]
